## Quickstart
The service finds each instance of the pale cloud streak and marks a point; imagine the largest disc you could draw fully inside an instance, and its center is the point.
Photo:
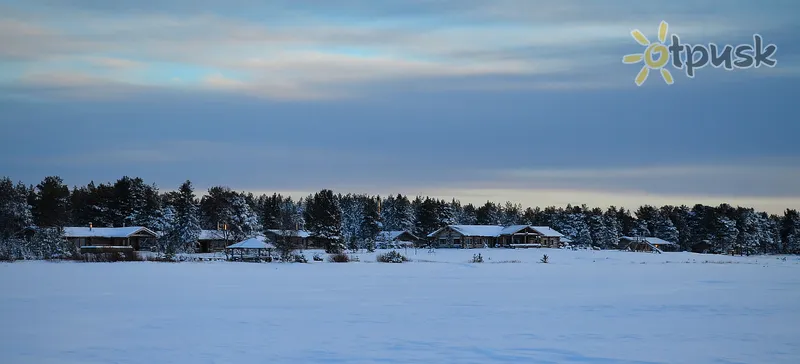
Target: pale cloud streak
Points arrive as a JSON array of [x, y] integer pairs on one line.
[[302, 56]]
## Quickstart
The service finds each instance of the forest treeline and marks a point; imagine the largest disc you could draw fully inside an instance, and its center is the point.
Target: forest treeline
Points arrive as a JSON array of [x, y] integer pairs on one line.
[[351, 219]]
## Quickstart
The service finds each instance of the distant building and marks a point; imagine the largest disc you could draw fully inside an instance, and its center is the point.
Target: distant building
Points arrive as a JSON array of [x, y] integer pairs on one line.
[[214, 240], [478, 236], [395, 239], [647, 244], [134, 237]]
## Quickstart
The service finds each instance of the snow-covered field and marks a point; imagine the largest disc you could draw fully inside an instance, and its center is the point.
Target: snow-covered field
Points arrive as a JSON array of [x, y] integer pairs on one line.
[[582, 307]]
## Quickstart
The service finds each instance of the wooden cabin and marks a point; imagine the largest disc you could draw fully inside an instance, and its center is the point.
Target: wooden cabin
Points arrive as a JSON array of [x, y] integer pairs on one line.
[[479, 236], [131, 237]]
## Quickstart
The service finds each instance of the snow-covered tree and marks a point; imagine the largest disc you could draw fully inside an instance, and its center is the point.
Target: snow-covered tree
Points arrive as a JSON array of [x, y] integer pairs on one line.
[[370, 220], [790, 231], [574, 226], [352, 214], [511, 214], [15, 213], [726, 235], [180, 223], [603, 230]]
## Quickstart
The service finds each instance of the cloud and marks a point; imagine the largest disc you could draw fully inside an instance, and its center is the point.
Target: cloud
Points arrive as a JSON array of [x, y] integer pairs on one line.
[[115, 63], [319, 50]]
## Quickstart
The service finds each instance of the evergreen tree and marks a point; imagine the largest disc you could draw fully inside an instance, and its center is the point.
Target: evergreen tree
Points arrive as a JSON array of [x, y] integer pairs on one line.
[[446, 213], [790, 231], [603, 230], [511, 214], [270, 211], [180, 223], [352, 216], [15, 213], [726, 235], [468, 215], [427, 216], [370, 221], [488, 214], [323, 218], [51, 203], [225, 207]]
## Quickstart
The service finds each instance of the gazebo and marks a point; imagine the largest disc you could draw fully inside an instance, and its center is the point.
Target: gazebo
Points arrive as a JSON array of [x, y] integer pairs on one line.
[[254, 248]]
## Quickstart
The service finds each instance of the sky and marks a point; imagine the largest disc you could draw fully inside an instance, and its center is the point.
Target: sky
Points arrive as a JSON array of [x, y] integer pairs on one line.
[[503, 100]]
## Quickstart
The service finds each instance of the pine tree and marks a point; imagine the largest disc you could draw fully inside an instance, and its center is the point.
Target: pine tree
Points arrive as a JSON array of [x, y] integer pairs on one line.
[[446, 213], [427, 216], [726, 235], [180, 224], [790, 231], [270, 211], [15, 213], [370, 221], [352, 215], [324, 220], [468, 215], [511, 214], [51, 203], [488, 214]]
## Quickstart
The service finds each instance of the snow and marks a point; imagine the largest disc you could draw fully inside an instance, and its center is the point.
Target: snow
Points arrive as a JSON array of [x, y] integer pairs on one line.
[[512, 229], [547, 231], [213, 235], [258, 242], [652, 240], [119, 232], [583, 307], [391, 235], [298, 233], [491, 231]]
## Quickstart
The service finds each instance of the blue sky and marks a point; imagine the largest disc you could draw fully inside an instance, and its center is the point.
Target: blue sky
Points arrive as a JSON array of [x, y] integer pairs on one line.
[[515, 100]]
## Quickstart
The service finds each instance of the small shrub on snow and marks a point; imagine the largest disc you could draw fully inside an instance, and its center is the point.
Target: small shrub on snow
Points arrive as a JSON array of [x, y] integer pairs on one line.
[[545, 259], [339, 258], [299, 258], [110, 257], [477, 258], [392, 257], [317, 257]]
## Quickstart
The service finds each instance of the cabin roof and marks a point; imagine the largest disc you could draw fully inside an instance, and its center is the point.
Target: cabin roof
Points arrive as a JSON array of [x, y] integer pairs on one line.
[[257, 242], [214, 235], [298, 233], [118, 232], [391, 235]]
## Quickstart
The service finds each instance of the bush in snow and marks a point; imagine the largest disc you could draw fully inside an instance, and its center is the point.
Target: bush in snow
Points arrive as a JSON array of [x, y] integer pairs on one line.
[[339, 258], [317, 257], [545, 259], [477, 258], [392, 257], [299, 258], [370, 245], [110, 257]]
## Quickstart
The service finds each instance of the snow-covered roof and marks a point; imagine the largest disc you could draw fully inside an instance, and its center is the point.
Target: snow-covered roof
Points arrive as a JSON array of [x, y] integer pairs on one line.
[[651, 240], [473, 230], [491, 231], [214, 235], [508, 230], [118, 232], [298, 233], [547, 231], [258, 242], [393, 235]]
